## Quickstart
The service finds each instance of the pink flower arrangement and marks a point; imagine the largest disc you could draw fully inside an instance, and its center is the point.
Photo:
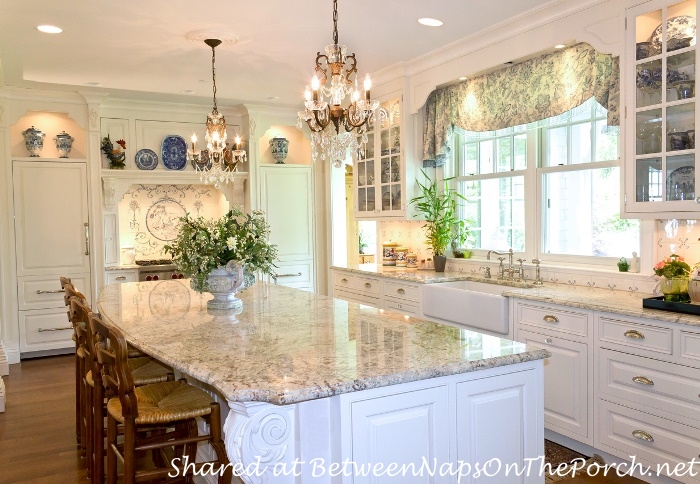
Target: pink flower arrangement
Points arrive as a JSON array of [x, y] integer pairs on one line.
[[672, 266]]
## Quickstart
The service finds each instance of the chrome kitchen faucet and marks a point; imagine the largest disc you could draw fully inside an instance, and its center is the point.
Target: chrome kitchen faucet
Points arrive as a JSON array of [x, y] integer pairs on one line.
[[502, 271]]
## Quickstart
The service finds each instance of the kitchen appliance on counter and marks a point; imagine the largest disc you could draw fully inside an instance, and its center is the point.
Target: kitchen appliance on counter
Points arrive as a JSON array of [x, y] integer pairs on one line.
[[158, 270]]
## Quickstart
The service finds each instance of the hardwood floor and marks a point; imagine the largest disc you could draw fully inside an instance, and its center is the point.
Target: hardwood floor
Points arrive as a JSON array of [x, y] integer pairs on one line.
[[37, 430]]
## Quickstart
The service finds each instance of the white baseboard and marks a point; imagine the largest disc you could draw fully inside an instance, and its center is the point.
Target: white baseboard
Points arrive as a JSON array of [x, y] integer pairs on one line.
[[11, 354], [4, 365], [2, 396]]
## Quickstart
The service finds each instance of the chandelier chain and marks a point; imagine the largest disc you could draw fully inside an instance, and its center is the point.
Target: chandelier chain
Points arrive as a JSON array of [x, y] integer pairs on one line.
[[335, 22], [213, 76]]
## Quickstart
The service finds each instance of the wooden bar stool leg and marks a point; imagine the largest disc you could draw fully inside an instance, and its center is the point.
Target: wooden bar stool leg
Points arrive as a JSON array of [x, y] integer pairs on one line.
[[78, 379], [89, 432], [98, 439], [217, 442], [129, 450], [111, 456]]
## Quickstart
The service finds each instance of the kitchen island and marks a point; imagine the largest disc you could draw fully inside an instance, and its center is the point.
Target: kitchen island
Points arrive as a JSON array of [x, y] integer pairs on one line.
[[312, 382]]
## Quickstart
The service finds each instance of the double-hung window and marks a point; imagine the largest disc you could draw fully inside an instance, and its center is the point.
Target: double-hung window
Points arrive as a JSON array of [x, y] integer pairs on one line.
[[549, 189]]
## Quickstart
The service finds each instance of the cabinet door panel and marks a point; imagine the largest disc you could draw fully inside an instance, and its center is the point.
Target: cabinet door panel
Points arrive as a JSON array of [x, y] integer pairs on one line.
[[498, 417], [286, 196], [565, 383], [51, 209], [401, 429]]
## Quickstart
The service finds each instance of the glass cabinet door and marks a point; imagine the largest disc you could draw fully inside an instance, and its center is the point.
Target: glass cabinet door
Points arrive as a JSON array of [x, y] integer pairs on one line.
[[366, 177], [664, 107], [390, 159]]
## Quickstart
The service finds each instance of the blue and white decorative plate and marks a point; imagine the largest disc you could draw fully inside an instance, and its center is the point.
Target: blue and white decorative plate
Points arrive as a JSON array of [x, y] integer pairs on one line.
[[681, 27], [173, 152], [146, 159]]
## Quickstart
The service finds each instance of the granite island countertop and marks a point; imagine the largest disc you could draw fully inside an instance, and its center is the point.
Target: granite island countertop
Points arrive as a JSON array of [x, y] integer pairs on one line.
[[425, 276], [287, 346], [627, 303]]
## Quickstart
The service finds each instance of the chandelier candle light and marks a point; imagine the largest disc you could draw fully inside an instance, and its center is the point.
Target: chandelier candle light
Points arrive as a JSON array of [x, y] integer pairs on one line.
[[218, 167], [323, 112]]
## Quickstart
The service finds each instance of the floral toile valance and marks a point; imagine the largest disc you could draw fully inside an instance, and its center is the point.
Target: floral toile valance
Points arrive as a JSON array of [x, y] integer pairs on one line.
[[531, 91]]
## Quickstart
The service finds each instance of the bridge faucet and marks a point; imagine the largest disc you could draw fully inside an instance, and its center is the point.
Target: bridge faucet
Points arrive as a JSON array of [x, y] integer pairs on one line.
[[510, 260]]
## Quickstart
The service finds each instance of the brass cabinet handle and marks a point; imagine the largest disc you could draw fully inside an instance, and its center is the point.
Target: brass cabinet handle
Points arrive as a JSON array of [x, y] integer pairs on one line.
[[367, 284], [551, 319], [87, 238], [343, 280], [43, 330], [401, 291], [121, 278], [634, 334], [642, 435], [55, 291], [643, 380]]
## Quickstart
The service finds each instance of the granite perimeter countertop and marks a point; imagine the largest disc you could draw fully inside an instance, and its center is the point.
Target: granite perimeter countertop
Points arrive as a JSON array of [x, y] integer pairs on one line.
[[612, 301], [425, 276], [287, 346], [124, 267]]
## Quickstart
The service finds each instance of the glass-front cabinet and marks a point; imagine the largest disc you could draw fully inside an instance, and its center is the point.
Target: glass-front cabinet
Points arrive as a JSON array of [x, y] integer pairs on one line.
[[379, 173], [661, 109]]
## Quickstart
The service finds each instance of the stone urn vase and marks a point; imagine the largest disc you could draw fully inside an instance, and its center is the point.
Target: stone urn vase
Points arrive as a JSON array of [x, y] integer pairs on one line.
[[64, 143], [280, 148], [223, 283], [675, 289], [33, 140]]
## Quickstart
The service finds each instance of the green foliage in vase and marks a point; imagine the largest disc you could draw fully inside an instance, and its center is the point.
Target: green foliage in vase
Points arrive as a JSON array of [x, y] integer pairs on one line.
[[672, 266], [204, 244], [439, 207]]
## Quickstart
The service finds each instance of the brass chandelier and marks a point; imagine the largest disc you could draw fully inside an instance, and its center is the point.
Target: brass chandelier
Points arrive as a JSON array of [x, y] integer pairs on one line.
[[324, 114], [218, 164]]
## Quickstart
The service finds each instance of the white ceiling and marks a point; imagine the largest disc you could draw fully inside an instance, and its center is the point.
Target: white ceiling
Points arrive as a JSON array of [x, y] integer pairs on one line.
[[138, 48]]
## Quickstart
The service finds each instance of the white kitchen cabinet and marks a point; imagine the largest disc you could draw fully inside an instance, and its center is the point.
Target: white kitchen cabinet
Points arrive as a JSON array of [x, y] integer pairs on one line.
[[660, 108], [52, 237], [568, 373], [286, 197], [380, 173], [119, 277]]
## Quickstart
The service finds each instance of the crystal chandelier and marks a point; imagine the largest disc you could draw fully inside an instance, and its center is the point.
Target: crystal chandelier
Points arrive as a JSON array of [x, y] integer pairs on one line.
[[218, 164], [323, 112]]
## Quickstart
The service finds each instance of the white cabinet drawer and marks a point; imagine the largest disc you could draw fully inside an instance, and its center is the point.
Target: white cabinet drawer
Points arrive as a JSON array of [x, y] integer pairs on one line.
[[44, 292], [638, 338], [402, 291], [552, 318], [652, 383], [368, 286], [298, 274], [45, 329], [121, 276], [400, 306], [356, 298], [344, 280], [650, 438]]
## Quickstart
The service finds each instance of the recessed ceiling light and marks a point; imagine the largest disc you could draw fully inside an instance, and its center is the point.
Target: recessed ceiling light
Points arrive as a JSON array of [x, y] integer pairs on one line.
[[430, 22], [559, 46], [92, 84], [187, 91], [463, 78], [49, 29]]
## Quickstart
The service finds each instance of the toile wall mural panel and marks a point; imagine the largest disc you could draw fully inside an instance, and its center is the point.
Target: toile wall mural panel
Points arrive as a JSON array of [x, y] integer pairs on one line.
[[148, 214]]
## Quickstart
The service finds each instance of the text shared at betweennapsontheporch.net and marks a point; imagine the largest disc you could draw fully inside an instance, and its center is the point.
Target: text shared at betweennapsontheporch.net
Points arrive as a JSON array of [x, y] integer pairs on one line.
[[431, 467]]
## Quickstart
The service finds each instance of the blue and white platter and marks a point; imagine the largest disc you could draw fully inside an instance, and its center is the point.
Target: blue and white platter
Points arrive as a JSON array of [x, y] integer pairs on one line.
[[173, 152], [146, 159]]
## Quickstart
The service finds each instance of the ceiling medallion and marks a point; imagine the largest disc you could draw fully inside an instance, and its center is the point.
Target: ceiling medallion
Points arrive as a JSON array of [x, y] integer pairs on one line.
[[323, 112]]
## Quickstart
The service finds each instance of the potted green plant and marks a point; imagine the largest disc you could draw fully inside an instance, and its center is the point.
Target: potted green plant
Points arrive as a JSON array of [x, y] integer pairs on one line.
[[461, 238], [439, 208]]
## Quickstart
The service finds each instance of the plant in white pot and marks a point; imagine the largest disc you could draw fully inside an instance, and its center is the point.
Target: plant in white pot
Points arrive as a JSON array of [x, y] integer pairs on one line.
[[439, 209]]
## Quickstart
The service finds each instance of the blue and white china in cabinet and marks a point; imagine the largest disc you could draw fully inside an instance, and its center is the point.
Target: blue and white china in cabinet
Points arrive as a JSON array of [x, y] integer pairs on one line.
[[64, 143], [33, 140], [280, 148], [146, 159], [173, 152]]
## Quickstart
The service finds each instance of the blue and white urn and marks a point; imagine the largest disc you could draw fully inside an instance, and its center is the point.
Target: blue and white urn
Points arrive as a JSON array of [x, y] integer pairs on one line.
[[279, 146], [64, 143], [33, 140]]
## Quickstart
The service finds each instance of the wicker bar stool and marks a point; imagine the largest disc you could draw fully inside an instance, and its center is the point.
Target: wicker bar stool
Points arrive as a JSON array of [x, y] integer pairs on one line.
[[70, 292], [167, 411], [145, 370]]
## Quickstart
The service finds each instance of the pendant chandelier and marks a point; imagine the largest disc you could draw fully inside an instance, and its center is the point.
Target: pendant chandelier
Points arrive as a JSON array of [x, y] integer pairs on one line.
[[323, 112], [219, 163]]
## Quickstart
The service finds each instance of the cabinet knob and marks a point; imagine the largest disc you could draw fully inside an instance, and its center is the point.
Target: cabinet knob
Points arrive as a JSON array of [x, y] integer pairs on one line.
[[634, 334], [121, 278], [367, 284], [399, 306], [548, 341], [550, 318], [697, 200], [401, 291], [343, 280], [642, 435], [643, 380]]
